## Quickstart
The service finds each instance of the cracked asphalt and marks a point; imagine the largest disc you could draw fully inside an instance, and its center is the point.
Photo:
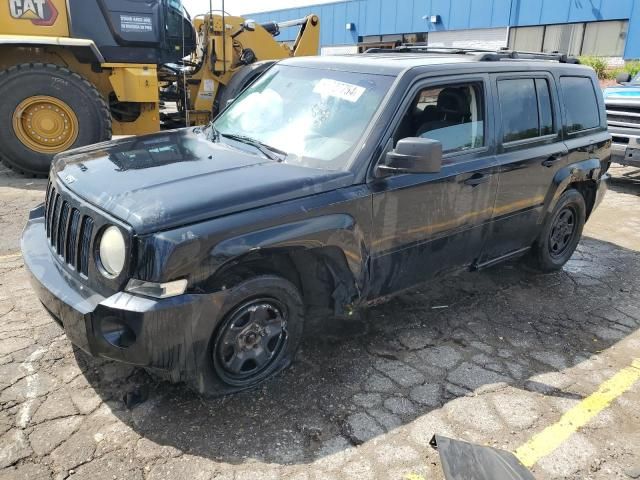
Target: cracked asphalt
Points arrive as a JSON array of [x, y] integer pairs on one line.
[[490, 357]]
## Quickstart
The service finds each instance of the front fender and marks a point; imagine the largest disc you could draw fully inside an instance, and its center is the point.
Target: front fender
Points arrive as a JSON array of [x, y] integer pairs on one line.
[[584, 171], [199, 252], [335, 230]]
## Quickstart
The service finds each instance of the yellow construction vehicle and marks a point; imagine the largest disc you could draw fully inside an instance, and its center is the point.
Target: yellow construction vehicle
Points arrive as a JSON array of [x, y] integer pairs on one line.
[[74, 72]]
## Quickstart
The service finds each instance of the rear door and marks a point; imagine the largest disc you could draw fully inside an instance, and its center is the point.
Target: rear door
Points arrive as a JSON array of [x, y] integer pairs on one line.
[[530, 153]]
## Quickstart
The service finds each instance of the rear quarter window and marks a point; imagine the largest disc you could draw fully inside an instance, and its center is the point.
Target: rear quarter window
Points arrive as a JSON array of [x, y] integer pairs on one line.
[[580, 103]]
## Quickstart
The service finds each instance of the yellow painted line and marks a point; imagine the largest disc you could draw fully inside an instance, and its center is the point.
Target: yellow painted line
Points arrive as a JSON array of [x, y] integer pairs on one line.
[[10, 257], [545, 442]]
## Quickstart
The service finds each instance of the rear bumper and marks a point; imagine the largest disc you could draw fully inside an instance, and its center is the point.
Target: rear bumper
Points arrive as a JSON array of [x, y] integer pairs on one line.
[[169, 334], [625, 146]]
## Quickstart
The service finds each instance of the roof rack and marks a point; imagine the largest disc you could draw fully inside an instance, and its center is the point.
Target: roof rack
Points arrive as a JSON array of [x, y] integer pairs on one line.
[[481, 54]]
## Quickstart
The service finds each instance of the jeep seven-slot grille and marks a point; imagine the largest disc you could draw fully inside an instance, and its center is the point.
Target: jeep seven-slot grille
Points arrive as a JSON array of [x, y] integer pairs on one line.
[[68, 230]]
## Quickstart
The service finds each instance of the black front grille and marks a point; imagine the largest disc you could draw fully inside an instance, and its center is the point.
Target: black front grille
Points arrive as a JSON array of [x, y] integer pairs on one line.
[[68, 230]]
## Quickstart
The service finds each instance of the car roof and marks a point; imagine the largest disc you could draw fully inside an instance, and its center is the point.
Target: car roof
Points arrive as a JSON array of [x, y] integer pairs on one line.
[[394, 63]]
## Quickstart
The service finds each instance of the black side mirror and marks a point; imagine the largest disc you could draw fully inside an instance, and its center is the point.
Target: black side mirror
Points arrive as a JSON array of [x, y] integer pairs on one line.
[[623, 77], [414, 155]]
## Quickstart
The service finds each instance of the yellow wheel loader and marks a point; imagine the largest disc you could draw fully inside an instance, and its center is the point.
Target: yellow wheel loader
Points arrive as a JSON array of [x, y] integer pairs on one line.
[[74, 72]]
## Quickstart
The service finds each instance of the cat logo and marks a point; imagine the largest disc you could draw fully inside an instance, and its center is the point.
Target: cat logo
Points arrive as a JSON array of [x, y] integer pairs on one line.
[[40, 12]]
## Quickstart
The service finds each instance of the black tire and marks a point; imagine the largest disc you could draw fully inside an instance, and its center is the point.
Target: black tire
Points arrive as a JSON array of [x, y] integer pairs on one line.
[[560, 233], [219, 378], [21, 82], [240, 80]]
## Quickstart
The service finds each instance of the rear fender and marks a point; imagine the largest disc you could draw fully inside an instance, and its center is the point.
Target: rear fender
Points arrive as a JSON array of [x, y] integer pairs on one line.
[[584, 171]]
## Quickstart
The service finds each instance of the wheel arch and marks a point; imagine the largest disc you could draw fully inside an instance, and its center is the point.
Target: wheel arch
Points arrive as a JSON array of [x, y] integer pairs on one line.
[[581, 176], [84, 50], [323, 256]]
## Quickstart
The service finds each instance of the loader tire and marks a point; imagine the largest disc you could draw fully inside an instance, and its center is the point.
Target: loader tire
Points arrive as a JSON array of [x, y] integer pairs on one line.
[[46, 109], [240, 80]]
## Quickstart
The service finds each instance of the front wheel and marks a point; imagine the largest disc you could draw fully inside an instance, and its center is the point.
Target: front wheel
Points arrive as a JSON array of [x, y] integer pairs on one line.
[[560, 234], [257, 337]]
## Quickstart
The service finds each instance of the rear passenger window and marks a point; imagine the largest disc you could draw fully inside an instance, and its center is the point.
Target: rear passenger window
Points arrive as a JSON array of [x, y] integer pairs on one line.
[[526, 109], [580, 103]]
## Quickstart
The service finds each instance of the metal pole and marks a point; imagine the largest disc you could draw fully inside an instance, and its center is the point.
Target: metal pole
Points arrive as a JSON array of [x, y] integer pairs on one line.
[[224, 41]]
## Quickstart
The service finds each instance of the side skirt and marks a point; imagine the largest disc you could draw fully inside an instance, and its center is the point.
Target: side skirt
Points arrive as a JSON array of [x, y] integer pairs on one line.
[[494, 261]]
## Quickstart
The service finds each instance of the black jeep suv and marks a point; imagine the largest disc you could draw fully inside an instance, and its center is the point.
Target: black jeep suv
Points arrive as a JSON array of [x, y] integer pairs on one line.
[[328, 183]]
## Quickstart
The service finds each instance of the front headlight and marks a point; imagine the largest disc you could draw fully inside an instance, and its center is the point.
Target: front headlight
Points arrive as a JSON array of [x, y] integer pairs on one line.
[[112, 251]]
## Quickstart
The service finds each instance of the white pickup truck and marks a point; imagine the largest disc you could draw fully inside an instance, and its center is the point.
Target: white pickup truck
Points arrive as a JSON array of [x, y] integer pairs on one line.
[[623, 118]]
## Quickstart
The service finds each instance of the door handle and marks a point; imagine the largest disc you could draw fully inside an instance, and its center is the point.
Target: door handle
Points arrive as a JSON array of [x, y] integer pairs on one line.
[[550, 162], [477, 179]]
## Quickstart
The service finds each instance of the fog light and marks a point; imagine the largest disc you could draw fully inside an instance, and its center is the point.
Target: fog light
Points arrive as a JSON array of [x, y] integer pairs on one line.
[[116, 333], [157, 290]]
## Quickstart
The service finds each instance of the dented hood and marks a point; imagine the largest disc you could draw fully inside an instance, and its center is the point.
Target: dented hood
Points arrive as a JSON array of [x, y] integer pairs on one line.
[[165, 180]]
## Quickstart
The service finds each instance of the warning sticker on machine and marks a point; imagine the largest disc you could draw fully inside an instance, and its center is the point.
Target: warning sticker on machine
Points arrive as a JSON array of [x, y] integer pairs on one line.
[[135, 23]]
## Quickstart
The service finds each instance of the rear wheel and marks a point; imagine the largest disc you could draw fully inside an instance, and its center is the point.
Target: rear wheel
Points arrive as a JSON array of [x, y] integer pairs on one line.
[[257, 337], [560, 234], [47, 109]]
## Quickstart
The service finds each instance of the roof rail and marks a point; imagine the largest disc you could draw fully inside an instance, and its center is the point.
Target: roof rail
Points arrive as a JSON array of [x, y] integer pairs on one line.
[[482, 54]]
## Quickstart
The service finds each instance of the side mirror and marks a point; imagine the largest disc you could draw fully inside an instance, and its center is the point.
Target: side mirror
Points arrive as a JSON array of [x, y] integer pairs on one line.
[[249, 25], [414, 155], [623, 77]]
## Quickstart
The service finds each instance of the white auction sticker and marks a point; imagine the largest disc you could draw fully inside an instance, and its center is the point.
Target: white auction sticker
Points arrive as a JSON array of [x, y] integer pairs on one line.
[[342, 90]]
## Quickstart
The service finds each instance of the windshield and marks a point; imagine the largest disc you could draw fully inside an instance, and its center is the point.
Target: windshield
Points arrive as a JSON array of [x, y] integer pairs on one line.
[[313, 117]]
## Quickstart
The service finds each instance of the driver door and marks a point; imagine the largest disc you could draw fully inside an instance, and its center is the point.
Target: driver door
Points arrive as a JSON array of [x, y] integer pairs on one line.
[[428, 224]]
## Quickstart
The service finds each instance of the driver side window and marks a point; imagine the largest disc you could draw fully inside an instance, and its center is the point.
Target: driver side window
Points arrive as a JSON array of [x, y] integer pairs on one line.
[[451, 114]]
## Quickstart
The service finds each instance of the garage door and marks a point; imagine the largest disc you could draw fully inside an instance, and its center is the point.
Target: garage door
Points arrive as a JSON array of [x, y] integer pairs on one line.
[[492, 38]]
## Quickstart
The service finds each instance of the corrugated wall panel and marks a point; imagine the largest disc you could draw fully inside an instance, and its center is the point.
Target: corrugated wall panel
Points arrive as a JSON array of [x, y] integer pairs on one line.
[[480, 14], [404, 16], [388, 13], [339, 24], [420, 8], [379, 17], [372, 18], [617, 9], [353, 16], [326, 25], [460, 15], [500, 11]]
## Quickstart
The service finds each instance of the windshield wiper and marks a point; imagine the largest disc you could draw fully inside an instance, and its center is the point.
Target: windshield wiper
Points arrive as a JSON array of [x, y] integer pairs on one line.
[[212, 133], [267, 150]]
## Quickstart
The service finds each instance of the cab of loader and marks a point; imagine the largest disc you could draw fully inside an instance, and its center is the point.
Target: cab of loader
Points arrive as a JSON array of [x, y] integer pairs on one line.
[[76, 72], [134, 31]]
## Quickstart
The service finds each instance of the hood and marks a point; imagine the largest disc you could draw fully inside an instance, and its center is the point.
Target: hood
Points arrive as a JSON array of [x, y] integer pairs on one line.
[[623, 92], [165, 180]]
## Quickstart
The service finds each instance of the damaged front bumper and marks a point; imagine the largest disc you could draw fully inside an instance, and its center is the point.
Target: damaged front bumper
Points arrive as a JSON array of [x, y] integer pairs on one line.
[[169, 334]]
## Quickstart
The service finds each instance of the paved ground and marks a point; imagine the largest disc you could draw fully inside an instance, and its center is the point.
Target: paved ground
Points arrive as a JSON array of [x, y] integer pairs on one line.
[[490, 358]]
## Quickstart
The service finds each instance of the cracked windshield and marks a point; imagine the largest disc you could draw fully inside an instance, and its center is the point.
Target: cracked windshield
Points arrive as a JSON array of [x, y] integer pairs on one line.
[[311, 118]]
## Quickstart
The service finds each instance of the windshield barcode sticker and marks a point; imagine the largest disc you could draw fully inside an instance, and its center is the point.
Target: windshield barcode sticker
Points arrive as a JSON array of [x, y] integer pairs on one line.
[[342, 90]]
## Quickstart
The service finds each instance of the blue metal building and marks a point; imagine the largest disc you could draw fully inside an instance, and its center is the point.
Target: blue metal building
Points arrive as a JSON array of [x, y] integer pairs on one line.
[[581, 27]]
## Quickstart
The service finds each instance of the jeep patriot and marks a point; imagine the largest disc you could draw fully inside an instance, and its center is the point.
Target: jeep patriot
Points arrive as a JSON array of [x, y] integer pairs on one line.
[[329, 183]]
